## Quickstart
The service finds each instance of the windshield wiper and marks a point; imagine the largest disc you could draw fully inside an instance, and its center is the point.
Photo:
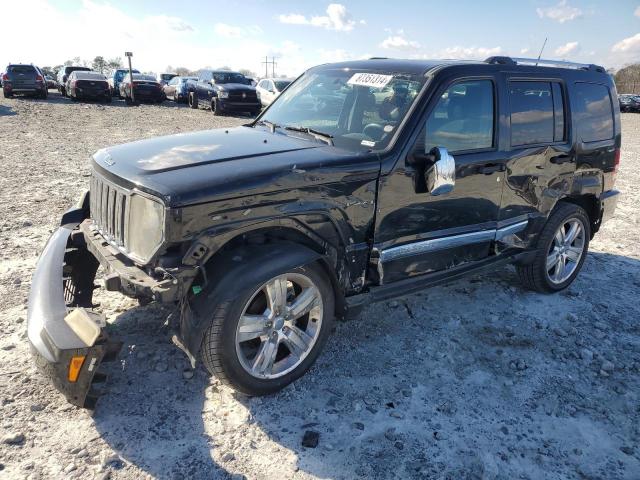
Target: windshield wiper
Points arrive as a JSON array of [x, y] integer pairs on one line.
[[269, 124], [325, 137]]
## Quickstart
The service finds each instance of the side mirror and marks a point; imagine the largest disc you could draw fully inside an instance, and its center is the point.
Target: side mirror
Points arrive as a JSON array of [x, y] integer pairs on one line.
[[435, 172], [441, 176]]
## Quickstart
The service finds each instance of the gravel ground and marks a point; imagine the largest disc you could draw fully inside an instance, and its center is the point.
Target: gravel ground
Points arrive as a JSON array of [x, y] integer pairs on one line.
[[476, 379]]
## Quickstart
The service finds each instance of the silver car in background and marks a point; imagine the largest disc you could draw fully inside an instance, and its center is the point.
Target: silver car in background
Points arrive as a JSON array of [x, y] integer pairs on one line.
[[270, 88]]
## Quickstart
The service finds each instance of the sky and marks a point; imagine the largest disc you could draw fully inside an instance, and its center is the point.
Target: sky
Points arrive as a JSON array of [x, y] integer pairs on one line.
[[300, 34]]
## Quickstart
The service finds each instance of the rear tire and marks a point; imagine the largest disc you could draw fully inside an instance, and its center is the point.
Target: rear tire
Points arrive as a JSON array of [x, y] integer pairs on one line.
[[265, 362], [545, 276], [7, 94]]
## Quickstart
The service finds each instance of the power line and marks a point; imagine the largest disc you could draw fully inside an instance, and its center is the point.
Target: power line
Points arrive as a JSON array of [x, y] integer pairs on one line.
[[266, 64]]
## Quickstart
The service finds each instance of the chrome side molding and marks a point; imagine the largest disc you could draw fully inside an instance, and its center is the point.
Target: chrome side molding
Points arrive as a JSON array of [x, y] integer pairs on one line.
[[416, 248]]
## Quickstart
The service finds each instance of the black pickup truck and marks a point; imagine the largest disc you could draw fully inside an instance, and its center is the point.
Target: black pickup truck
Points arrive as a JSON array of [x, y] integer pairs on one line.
[[363, 181], [223, 91]]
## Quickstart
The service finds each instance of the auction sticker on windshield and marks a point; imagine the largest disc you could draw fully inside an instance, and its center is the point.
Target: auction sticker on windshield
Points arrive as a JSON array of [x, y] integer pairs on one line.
[[373, 80]]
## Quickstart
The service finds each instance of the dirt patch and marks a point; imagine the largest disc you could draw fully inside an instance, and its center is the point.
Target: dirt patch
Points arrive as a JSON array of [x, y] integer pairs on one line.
[[477, 379]]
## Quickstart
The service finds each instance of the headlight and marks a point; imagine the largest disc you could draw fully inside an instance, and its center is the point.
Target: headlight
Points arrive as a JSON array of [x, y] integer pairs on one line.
[[145, 229], [223, 94]]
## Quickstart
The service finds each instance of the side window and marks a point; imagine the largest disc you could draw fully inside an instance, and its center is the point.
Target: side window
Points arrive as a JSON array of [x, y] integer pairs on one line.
[[532, 117], [593, 112], [263, 84], [463, 118], [559, 124]]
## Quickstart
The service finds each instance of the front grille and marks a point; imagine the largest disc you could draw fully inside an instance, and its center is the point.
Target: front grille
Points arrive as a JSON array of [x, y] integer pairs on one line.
[[250, 96], [109, 208]]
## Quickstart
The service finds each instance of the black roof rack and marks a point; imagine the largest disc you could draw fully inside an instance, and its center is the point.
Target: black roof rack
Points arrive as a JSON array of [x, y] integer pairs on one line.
[[544, 63]]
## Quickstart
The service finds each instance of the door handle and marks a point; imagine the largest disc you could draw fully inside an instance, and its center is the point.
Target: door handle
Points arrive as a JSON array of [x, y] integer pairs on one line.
[[560, 159], [490, 168]]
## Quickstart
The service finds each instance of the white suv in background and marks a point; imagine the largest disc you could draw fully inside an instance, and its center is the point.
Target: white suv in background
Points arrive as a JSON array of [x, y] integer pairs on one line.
[[270, 88]]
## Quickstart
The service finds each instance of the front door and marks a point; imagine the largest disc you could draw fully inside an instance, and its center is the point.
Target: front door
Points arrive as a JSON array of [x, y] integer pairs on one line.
[[419, 233]]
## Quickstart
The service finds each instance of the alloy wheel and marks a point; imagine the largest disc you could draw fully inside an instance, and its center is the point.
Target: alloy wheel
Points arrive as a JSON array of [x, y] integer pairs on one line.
[[566, 251], [279, 326]]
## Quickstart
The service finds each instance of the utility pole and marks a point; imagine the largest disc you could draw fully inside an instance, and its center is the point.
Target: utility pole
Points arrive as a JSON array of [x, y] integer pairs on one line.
[[266, 66], [129, 55]]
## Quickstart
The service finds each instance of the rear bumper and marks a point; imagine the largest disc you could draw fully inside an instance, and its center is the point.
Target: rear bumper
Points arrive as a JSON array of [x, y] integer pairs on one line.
[[53, 341], [608, 202], [78, 93], [149, 96]]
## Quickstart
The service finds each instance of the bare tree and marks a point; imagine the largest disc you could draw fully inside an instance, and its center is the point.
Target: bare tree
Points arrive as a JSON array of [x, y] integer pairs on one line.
[[99, 64], [628, 79]]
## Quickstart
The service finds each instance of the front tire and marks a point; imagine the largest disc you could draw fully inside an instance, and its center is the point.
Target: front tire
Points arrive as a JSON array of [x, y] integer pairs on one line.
[[215, 107], [193, 100], [269, 334], [561, 250]]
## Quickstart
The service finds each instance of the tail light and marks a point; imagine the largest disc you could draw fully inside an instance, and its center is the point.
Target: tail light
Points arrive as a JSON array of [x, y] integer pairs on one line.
[[73, 83], [39, 78], [5, 78], [616, 165]]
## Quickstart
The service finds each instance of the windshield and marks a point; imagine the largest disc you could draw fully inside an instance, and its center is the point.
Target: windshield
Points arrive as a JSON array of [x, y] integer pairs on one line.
[[229, 77], [359, 110], [119, 75]]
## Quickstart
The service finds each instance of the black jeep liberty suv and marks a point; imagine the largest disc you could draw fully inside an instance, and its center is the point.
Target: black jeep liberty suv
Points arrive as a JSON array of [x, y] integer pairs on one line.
[[363, 181]]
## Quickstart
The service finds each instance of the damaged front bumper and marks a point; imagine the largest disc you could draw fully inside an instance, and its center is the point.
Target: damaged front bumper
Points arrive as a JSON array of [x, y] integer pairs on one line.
[[54, 342]]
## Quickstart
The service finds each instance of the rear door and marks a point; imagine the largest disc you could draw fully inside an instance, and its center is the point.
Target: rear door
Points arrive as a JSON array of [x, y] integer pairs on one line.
[[541, 157]]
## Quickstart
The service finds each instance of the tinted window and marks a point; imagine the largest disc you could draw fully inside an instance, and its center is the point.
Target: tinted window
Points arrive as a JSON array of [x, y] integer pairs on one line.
[[532, 119], [558, 113], [593, 112], [463, 118], [21, 69], [229, 77], [282, 84]]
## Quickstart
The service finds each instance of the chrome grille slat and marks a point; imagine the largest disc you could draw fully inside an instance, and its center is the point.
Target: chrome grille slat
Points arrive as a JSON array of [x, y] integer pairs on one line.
[[108, 206]]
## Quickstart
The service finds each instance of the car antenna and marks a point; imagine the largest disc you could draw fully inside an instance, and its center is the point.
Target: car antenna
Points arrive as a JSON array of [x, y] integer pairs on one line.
[[540, 54]]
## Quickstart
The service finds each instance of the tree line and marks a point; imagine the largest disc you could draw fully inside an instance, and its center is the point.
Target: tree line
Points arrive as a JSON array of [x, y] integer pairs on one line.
[[628, 79], [106, 66]]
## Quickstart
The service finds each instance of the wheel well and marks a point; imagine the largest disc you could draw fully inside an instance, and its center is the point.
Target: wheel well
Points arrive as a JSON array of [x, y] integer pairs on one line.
[[590, 205], [276, 235]]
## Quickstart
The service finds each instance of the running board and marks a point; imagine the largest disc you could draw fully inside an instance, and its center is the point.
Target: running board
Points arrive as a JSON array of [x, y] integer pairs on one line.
[[414, 284]]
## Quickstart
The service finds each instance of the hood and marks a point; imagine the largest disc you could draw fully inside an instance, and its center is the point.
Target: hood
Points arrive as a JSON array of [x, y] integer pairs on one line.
[[233, 87], [205, 166]]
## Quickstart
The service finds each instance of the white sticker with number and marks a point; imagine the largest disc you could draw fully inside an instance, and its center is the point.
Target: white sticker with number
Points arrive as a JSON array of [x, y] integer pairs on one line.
[[373, 80]]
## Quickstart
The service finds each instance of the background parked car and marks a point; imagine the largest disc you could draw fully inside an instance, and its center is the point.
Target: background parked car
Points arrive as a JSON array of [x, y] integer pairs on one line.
[[178, 88], [51, 83], [145, 89], [224, 91], [270, 88], [24, 79], [63, 76], [88, 86], [116, 78], [629, 103], [164, 78]]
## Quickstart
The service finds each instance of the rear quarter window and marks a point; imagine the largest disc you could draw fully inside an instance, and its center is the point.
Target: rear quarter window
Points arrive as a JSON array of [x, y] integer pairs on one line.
[[593, 112]]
